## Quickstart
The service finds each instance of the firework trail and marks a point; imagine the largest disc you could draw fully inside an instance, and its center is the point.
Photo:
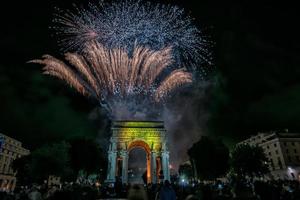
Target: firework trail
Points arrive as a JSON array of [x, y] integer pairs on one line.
[[123, 22], [128, 55], [111, 75]]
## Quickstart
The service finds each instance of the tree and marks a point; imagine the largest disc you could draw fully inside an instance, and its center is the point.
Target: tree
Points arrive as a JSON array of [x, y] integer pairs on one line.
[[22, 167], [61, 159], [210, 158], [186, 171], [50, 160], [248, 160], [86, 155]]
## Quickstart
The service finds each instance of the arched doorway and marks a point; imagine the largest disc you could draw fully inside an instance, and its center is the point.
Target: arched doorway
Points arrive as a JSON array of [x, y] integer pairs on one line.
[[148, 135], [141, 145], [137, 166]]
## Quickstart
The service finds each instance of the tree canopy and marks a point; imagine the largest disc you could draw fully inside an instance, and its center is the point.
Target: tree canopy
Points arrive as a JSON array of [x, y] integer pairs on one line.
[[63, 159], [248, 160], [86, 155], [210, 158]]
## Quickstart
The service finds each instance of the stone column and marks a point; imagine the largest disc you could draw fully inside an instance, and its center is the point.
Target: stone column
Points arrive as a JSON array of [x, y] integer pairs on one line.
[[148, 168], [165, 165], [112, 159], [153, 167], [159, 168], [124, 156]]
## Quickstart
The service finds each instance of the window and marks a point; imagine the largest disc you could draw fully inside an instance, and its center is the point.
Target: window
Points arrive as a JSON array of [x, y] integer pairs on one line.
[[276, 151], [293, 143], [268, 147], [289, 159], [279, 162], [297, 158], [275, 145], [295, 150], [284, 144], [269, 153], [271, 163], [287, 151]]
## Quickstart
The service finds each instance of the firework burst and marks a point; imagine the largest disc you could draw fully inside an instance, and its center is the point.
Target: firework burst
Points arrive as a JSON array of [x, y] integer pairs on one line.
[[124, 22], [111, 75], [128, 55]]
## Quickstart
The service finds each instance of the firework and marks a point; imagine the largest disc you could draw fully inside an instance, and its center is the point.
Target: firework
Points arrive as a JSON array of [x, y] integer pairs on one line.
[[111, 75], [128, 55], [124, 22]]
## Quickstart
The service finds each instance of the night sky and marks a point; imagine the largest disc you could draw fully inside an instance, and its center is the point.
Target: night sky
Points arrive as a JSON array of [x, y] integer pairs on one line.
[[255, 85]]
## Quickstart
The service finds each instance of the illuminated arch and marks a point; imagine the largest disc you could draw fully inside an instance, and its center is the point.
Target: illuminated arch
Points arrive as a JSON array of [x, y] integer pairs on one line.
[[139, 143], [143, 144], [149, 135]]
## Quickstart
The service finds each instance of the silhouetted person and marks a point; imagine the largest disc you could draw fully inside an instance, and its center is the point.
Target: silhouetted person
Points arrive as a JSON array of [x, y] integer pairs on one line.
[[35, 194], [167, 192]]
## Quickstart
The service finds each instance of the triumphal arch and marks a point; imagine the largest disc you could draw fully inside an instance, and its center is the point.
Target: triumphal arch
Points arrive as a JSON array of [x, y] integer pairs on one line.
[[149, 135]]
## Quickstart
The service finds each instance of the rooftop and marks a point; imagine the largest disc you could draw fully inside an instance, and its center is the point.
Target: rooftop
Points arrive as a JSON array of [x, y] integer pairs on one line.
[[138, 124]]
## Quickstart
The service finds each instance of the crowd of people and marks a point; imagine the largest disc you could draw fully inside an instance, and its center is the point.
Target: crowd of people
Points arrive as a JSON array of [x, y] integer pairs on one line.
[[257, 190]]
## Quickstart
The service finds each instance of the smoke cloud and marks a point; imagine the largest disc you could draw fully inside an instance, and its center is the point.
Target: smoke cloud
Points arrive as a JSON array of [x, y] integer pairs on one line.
[[185, 118]]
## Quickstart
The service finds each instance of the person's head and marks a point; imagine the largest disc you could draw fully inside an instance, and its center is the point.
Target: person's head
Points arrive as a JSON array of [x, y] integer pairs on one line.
[[137, 192], [167, 183], [34, 187]]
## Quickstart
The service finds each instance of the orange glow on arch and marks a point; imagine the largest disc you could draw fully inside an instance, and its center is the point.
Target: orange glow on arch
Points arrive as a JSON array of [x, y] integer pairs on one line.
[[139, 143]]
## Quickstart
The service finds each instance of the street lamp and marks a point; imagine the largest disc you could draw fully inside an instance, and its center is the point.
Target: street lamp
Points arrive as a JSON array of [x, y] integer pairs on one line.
[[291, 172]]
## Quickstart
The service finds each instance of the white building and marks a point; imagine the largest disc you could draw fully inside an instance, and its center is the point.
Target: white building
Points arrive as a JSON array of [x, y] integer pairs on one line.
[[10, 150], [282, 151]]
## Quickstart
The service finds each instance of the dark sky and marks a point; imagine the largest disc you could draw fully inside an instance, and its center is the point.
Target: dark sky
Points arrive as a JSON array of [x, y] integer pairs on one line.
[[256, 86]]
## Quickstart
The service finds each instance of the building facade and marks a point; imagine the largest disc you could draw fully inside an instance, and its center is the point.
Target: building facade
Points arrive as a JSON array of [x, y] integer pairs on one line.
[[282, 151], [9, 151]]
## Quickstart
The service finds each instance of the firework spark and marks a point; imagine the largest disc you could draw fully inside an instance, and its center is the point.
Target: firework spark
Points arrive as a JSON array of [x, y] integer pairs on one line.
[[128, 54], [111, 75], [124, 22]]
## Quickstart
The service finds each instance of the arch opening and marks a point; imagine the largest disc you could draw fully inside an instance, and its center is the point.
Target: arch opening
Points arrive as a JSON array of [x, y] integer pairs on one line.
[[137, 166], [141, 150]]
